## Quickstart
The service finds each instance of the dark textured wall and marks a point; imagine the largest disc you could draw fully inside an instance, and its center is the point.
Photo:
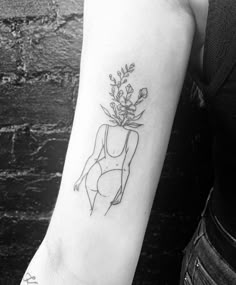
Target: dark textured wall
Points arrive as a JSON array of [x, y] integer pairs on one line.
[[40, 46]]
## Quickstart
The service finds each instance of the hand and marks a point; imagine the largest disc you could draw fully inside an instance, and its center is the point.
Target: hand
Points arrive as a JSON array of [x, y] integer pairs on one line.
[[77, 185], [118, 198]]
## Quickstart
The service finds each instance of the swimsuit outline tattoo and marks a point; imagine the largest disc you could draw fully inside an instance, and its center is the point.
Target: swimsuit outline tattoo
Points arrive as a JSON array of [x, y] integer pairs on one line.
[[106, 175]]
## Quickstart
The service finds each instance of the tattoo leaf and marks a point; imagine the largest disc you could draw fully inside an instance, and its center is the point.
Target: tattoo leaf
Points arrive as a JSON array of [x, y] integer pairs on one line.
[[106, 112], [135, 118], [134, 125], [129, 89], [131, 68]]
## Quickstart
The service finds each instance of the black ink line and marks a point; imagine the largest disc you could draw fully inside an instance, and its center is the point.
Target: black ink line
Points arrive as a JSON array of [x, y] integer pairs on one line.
[[30, 279], [92, 193], [124, 107]]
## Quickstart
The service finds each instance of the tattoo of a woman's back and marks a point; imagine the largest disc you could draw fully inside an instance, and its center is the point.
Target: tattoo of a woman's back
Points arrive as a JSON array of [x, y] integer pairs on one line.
[[106, 171]]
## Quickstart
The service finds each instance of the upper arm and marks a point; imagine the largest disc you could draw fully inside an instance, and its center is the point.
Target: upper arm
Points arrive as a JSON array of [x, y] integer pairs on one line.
[[131, 147], [117, 24], [157, 36], [99, 141]]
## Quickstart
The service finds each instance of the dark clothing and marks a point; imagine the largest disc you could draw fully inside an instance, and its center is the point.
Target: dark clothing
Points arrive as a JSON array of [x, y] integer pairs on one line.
[[219, 89], [202, 263], [210, 257]]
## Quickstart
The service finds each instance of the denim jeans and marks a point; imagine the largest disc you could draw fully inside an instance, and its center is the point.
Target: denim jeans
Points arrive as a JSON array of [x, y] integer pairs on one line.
[[202, 264]]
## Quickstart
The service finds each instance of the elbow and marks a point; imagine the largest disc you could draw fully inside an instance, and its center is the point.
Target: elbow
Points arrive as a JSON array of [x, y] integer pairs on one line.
[[92, 159]]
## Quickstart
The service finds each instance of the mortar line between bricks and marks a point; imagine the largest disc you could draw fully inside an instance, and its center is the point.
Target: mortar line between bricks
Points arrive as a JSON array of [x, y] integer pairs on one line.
[[28, 19], [7, 173], [25, 216], [37, 129]]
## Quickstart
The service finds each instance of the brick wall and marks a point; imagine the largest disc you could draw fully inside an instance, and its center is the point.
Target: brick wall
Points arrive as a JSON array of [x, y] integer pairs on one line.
[[40, 46]]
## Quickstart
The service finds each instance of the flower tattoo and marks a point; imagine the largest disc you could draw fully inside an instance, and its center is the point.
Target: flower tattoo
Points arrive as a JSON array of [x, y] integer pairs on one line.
[[124, 105]]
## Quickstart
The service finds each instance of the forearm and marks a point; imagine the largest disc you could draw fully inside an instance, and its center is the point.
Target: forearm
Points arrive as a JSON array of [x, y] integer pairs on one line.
[[124, 178], [98, 249]]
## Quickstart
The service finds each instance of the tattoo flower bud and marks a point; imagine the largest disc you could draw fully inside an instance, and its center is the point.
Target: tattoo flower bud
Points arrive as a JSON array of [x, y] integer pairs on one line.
[[143, 93], [132, 66], [122, 101], [113, 105], [129, 89], [121, 93]]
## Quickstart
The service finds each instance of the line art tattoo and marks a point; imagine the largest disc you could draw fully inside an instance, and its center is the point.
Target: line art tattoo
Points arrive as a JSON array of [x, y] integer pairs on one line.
[[30, 279], [107, 170]]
